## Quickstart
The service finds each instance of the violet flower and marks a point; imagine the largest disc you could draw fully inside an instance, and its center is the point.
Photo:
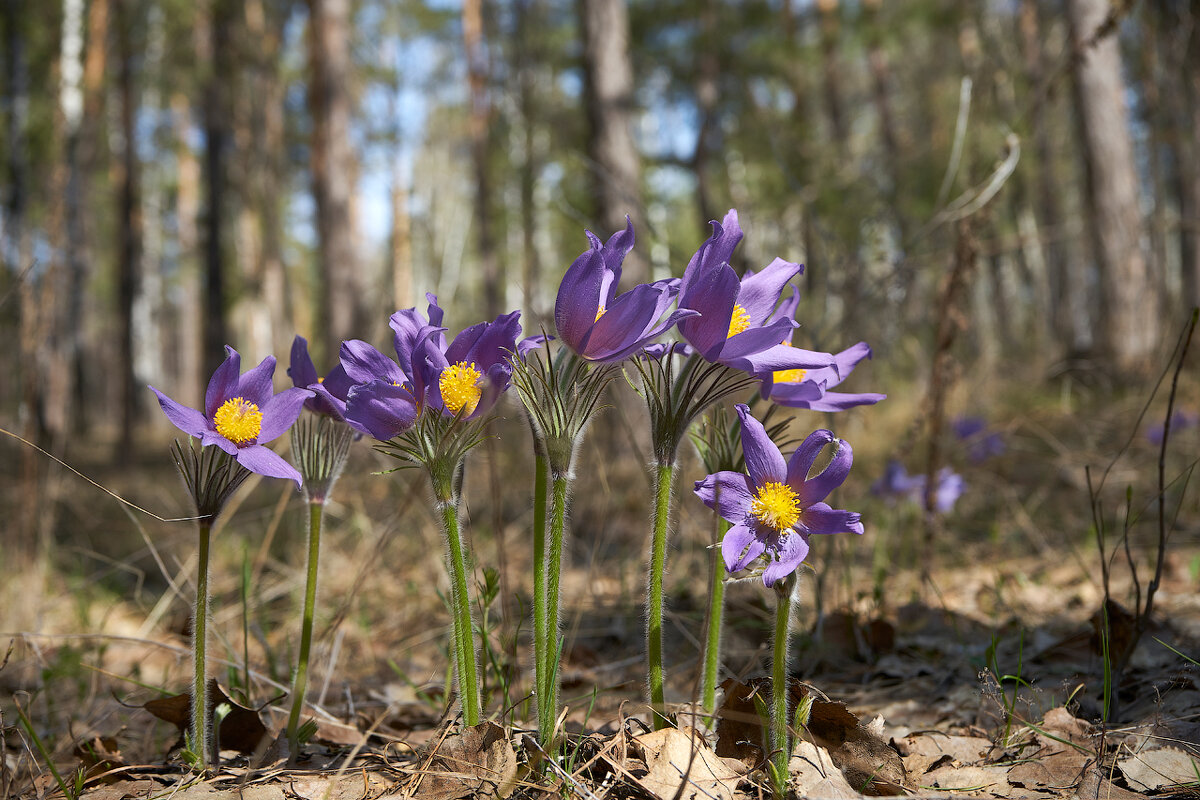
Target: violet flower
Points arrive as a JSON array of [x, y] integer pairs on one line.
[[800, 388], [897, 484], [981, 444], [329, 392], [738, 326], [241, 413], [382, 402], [597, 323], [777, 506], [1180, 420]]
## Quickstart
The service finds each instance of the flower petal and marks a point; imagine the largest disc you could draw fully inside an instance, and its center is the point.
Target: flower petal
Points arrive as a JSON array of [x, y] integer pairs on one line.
[[266, 461], [381, 409], [578, 299], [818, 487], [716, 250], [819, 518], [728, 493], [739, 547], [255, 386], [801, 462], [840, 401], [614, 252], [713, 294], [760, 292], [216, 439], [364, 363], [280, 413], [188, 420], [764, 462], [223, 383], [789, 553], [301, 369]]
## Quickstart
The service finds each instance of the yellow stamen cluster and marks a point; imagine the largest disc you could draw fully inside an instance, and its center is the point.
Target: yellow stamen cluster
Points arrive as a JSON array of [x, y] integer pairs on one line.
[[739, 322], [238, 421], [789, 375], [776, 505], [599, 313], [460, 386]]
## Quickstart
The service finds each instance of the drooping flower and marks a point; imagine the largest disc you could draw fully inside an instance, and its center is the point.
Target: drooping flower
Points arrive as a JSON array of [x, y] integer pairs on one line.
[[776, 507], [800, 388], [329, 392], [242, 413], [738, 325], [596, 322]]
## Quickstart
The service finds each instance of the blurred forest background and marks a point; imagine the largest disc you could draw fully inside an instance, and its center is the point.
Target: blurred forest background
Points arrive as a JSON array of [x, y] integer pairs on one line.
[[1016, 179]]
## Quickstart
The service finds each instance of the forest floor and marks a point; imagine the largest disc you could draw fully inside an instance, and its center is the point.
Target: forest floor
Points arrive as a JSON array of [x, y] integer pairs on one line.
[[984, 679]]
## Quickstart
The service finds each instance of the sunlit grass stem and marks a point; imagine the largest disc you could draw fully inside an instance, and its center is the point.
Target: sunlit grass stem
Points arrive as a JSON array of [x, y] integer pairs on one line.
[[716, 617], [778, 740], [663, 479], [201, 732], [316, 513]]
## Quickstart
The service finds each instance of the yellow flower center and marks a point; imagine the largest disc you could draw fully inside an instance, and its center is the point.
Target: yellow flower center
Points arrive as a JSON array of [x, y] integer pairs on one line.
[[460, 387], [238, 421], [789, 375], [599, 313], [776, 505], [739, 322]]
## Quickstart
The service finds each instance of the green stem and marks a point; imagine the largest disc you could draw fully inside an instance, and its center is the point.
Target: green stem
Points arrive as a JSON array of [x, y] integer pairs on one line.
[[716, 614], [468, 681], [540, 611], [201, 724], [300, 684], [778, 743], [558, 524], [654, 597]]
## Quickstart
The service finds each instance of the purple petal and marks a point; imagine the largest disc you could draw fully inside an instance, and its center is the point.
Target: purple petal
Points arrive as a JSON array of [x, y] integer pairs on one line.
[[614, 252], [747, 355], [728, 493], [739, 547], [716, 250], [757, 340], [819, 518], [801, 462], [266, 461], [787, 309], [712, 294], [840, 401], [381, 409], [364, 363], [223, 383], [496, 343], [764, 462], [255, 386], [301, 369], [216, 439], [188, 420], [280, 413], [760, 292], [793, 395], [578, 299], [818, 487], [789, 553]]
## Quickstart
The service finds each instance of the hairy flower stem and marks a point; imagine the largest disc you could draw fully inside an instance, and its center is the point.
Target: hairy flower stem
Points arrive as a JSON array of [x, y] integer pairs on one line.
[[778, 741], [316, 512], [716, 616], [541, 644], [464, 638], [201, 724], [665, 472], [548, 707]]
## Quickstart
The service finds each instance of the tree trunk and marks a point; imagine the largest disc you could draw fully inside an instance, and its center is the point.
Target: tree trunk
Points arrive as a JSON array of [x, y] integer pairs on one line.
[[216, 137], [129, 227], [331, 161], [1189, 166], [1128, 330], [480, 119], [831, 73], [189, 336], [608, 82], [526, 46]]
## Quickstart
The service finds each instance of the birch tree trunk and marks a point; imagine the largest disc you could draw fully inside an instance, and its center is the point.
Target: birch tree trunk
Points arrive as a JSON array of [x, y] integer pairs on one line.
[[1128, 322], [608, 83]]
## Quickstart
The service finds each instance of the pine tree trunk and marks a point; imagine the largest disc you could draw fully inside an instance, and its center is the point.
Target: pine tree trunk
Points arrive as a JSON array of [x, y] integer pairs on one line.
[[616, 169], [1128, 330], [129, 227], [216, 137], [480, 119]]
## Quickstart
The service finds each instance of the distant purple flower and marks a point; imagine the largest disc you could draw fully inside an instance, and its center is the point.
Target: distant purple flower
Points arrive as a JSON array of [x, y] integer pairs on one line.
[[738, 325], [329, 393], [799, 388], [981, 445], [897, 484], [1180, 420], [242, 413], [597, 323], [777, 507]]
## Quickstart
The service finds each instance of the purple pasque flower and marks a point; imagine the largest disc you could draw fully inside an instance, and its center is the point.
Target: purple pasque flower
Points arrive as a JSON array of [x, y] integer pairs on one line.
[[801, 388], [382, 401], [241, 413], [776, 507], [1180, 420], [466, 377], [737, 325], [329, 392], [596, 322], [897, 484]]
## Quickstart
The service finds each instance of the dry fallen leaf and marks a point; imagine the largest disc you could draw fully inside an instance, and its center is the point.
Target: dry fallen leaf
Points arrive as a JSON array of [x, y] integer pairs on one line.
[[680, 766], [1057, 772], [813, 774], [1151, 770], [477, 762], [928, 751], [241, 729]]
